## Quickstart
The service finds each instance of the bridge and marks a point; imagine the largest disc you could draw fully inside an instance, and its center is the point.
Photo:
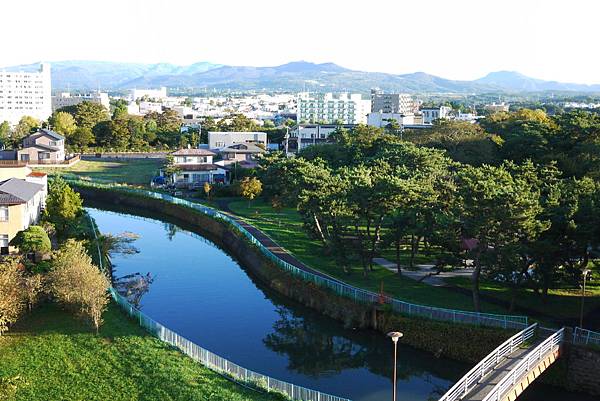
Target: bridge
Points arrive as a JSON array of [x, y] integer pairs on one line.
[[509, 369]]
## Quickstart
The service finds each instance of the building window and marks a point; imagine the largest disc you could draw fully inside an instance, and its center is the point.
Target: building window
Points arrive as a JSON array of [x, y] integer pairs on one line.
[[3, 244], [3, 213], [219, 144]]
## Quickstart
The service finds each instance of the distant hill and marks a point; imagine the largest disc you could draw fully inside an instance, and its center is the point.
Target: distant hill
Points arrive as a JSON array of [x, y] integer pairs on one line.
[[294, 76], [516, 82]]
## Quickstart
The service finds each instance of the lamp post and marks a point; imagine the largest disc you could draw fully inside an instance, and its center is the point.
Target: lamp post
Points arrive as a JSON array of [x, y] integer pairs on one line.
[[585, 273], [395, 335]]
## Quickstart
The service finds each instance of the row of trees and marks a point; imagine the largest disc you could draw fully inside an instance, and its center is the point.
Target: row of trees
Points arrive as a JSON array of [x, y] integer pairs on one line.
[[522, 222]]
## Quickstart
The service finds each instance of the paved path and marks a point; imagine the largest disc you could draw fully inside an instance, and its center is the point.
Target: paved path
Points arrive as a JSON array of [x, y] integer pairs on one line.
[[422, 272]]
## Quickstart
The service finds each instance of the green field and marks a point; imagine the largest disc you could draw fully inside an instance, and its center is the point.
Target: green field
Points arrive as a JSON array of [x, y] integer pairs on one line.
[[285, 227], [135, 172], [49, 355]]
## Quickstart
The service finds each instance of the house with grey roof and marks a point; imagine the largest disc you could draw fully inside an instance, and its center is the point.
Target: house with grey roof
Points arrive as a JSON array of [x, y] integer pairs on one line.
[[43, 147], [21, 205]]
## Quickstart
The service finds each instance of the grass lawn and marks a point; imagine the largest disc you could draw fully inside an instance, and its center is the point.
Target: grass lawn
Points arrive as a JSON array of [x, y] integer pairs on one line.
[[286, 228], [136, 172], [563, 303], [49, 355]]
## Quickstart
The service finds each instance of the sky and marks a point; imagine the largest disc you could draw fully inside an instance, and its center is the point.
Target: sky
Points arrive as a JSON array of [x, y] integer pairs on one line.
[[455, 39]]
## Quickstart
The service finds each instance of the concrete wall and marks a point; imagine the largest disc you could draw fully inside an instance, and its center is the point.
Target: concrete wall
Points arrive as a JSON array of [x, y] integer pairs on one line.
[[583, 369]]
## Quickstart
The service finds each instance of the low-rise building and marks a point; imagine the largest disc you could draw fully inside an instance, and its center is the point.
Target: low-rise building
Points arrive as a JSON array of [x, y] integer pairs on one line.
[[312, 134], [196, 167], [241, 152], [496, 107], [65, 99], [21, 205], [432, 114], [219, 140], [160, 93], [43, 147], [381, 120]]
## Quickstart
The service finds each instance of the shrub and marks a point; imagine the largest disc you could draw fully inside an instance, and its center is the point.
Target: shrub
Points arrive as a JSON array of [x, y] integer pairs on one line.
[[78, 284], [32, 240], [12, 300]]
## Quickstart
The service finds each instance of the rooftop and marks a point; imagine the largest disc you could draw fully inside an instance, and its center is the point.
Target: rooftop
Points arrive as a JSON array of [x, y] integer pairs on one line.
[[16, 191], [193, 152]]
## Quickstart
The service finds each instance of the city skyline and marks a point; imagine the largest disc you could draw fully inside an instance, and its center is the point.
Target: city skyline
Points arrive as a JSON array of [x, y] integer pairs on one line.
[[535, 38]]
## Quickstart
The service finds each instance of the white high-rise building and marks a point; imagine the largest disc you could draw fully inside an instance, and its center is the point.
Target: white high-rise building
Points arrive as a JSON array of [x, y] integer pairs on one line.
[[331, 109], [66, 99], [25, 94]]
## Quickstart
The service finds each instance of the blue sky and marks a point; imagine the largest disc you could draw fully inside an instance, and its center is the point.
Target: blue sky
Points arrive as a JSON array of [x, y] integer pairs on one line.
[[460, 39]]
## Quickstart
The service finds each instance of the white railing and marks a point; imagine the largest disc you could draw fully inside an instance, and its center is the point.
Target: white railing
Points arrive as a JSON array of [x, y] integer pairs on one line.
[[219, 364], [527, 363], [323, 280], [584, 336], [469, 381]]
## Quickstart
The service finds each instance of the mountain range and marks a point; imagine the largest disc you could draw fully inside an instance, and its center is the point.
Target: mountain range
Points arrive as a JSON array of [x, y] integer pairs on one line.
[[294, 76]]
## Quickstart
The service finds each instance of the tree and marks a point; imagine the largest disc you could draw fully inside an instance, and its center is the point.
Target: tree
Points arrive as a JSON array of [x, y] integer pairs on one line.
[[4, 133], [78, 284], [64, 124], [32, 287], [169, 167], [12, 300], [250, 188], [34, 239], [88, 114], [119, 108], [26, 126], [207, 189], [81, 138], [499, 212], [63, 205]]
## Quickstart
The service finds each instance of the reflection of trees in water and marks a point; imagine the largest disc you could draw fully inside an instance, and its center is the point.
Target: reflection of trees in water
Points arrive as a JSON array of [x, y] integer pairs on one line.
[[315, 348], [133, 287], [171, 230]]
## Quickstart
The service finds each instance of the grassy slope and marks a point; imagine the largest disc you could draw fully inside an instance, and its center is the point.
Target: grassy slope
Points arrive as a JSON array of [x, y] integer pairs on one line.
[[285, 227], [51, 356], [137, 172]]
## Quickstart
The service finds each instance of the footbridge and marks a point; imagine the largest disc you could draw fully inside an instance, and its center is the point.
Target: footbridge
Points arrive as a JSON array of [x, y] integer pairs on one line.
[[509, 369]]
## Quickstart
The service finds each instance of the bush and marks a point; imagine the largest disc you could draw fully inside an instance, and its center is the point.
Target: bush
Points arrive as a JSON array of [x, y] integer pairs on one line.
[[12, 300], [32, 240], [77, 284]]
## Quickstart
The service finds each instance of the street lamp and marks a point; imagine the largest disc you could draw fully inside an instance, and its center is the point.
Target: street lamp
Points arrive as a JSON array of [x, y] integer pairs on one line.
[[585, 273], [395, 335]]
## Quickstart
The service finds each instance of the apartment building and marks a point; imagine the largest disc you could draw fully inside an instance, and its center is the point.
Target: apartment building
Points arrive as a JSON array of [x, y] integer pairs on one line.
[[25, 94], [65, 99], [328, 108], [396, 103]]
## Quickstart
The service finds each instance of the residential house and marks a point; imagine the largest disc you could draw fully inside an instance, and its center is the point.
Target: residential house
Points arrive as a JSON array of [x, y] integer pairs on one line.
[[21, 205], [219, 140], [196, 168], [43, 147], [241, 152]]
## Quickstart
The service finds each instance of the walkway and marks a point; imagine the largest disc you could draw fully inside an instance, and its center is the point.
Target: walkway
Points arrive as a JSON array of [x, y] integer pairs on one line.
[[423, 273]]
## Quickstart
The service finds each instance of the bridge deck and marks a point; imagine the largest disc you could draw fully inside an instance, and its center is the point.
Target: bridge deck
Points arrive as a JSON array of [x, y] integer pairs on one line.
[[482, 389]]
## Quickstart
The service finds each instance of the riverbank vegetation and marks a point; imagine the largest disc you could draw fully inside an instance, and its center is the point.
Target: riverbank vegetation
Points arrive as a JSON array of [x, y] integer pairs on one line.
[[508, 199]]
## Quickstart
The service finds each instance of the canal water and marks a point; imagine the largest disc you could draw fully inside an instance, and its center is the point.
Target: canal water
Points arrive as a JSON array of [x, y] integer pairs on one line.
[[202, 293]]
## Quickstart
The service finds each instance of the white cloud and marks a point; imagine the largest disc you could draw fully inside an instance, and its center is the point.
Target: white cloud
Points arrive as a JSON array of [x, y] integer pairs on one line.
[[461, 39]]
